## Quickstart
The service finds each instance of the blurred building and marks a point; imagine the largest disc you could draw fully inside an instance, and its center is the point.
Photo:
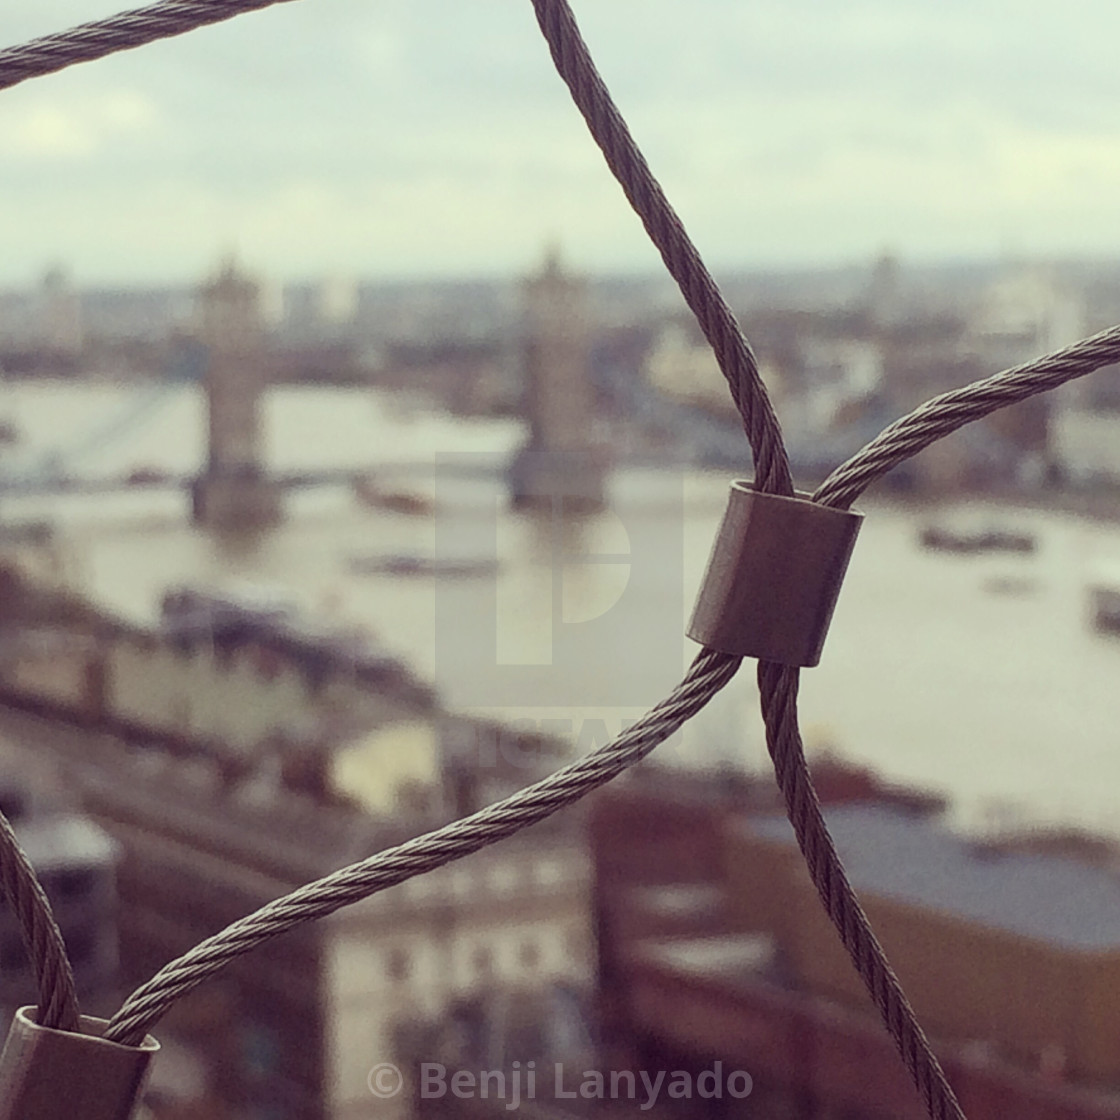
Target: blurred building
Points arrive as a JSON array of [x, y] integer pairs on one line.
[[840, 383], [43, 331], [884, 297], [715, 946], [39, 552], [1085, 441], [60, 326], [235, 753], [1085, 429], [293, 1029], [328, 709], [233, 491], [564, 460], [509, 1046], [1024, 313], [337, 302], [76, 864], [684, 367]]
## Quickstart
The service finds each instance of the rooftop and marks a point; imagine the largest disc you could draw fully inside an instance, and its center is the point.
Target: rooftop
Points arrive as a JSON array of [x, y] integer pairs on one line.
[[1043, 897]]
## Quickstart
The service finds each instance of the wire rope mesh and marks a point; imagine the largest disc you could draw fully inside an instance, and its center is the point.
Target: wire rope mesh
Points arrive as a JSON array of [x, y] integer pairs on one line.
[[711, 671], [122, 32]]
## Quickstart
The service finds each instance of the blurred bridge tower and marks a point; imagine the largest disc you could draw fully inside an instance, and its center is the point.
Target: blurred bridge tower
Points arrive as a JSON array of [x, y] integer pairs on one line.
[[564, 459], [233, 490]]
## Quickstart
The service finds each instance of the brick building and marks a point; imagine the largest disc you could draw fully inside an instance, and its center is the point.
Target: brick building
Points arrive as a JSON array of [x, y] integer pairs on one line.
[[714, 946]]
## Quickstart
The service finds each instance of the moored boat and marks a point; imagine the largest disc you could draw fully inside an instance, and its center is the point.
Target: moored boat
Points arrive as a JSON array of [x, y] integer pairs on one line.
[[408, 564], [989, 538], [1104, 602]]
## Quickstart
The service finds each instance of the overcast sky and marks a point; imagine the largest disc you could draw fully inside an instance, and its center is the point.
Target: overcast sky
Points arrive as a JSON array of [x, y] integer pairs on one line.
[[425, 137]]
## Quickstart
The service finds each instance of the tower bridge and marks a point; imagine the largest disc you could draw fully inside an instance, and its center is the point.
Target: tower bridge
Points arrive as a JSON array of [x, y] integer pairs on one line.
[[233, 490], [562, 460]]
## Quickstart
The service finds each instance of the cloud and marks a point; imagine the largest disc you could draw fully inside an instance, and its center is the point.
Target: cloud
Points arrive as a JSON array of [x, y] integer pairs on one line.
[[52, 129], [394, 135]]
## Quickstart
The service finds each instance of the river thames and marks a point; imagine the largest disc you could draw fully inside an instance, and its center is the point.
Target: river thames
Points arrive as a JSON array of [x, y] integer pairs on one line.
[[977, 676]]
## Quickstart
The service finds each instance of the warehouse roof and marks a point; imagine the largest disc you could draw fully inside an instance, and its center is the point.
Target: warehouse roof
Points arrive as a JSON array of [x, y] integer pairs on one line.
[[898, 855]]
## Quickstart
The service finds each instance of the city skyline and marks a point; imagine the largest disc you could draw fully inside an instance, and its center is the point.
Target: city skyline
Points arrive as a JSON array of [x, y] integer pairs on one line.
[[395, 139]]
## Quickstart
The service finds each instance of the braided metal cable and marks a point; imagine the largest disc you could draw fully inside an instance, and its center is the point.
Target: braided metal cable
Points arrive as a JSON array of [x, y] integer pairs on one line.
[[708, 674], [949, 411], [121, 32], [778, 684], [58, 1001], [733, 353], [737, 361], [738, 364]]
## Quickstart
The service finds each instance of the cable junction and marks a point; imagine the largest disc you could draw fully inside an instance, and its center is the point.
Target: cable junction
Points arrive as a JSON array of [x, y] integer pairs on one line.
[[711, 670]]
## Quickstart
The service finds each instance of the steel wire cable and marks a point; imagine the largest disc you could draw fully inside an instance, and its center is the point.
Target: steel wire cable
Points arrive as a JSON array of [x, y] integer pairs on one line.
[[100, 38], [121, 32], [711, 671], [777, 684], [733, 353], [738, 364], [54, 979], [952, 410]]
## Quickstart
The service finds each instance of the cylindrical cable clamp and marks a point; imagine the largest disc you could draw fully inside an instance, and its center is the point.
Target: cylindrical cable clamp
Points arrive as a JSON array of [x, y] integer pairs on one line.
[[773, 577], [58, 1075]]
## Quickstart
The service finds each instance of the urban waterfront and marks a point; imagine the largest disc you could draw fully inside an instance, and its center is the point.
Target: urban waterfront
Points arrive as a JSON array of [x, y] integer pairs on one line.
[[976, 675], [312, 556]]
